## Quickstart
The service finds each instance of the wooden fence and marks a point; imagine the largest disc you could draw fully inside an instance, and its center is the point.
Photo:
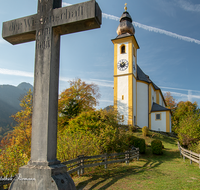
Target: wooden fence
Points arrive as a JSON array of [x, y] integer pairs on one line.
[[5, 181], [189, 154], [78, 164]]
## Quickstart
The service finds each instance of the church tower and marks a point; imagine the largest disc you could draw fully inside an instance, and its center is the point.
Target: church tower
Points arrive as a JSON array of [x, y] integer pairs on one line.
[[125, 70]]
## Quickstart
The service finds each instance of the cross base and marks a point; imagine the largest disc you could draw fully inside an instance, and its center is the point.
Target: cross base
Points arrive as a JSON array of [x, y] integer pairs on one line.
[[54, 177], [46, 163]]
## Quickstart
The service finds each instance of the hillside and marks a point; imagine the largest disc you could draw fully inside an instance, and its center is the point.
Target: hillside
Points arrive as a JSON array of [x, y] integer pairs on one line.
[[10, 97], [150, 172]]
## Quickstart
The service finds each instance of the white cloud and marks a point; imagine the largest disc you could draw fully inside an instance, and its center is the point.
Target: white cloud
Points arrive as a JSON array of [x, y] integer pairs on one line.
[[16, 72], [106, 101], [109, 81], [184, 97], [188, 6], [110, 17], [65, 4], [99, 82], [157, 30], [103, 83], [171, 34], [179, 89], [177, 94]]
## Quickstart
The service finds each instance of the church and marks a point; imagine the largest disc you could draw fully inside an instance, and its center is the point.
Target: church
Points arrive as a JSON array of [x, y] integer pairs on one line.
[[138, 100]]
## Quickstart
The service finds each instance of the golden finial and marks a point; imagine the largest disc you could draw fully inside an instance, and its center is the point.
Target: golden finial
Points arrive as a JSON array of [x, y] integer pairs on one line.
[[125, 8]]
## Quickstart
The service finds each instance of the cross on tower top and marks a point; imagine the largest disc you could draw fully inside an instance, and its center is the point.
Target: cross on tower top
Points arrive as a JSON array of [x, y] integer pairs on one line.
[[125, 8]]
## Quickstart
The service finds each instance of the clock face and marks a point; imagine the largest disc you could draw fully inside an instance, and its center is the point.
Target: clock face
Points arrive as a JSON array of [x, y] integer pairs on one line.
[[122, 65]]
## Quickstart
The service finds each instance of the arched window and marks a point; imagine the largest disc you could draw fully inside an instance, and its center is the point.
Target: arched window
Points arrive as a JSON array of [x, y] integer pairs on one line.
[[123, 48]]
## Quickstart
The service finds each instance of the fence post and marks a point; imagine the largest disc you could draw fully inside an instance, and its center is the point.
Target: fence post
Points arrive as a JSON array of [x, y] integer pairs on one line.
[[82, 164], [105, 160], [190, 157], [199, 160], [179, 148], [127, 157], [79, 163], [138, 152]]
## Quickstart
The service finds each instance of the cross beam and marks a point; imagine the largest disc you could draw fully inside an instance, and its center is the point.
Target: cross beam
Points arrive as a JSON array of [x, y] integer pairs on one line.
[[70, 19]]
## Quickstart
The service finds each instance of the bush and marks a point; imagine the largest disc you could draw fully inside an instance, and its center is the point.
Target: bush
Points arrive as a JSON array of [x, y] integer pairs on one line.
[[132, 128], [195, 147], [156, 147], [145, 131], [140, 143]]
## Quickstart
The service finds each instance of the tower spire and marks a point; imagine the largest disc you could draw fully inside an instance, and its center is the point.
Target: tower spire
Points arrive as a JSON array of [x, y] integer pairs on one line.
[[125, 26]]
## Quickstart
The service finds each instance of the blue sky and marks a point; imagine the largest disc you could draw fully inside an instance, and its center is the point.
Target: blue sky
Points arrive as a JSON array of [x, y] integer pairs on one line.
[[167, 32]]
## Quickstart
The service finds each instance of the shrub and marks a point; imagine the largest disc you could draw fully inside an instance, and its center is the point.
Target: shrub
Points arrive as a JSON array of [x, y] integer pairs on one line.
[[145, 131], [156, 147], [140, 143], [132, 128], [195, 147]]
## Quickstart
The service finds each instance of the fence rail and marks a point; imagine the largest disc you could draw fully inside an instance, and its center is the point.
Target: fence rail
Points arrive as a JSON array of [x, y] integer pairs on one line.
[[78, 164], [189, 154]]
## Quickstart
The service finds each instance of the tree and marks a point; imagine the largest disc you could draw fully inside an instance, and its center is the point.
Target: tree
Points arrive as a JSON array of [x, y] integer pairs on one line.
[[16, 146], [189, 129], [79, 97], [183, 109], [90, 133], [170, 101]]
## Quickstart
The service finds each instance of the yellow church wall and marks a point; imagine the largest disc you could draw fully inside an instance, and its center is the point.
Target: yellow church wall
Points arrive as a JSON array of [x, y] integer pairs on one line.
[[127, 39], [115, 59], [150, 104], [115, 92], [125, 81], [168, 123], [130, 101], [115, 78], [160, 100], [134, 101], [130, 58]]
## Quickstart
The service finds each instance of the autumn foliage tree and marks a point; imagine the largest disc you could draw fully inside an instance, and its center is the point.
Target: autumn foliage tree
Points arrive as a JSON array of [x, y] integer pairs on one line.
[[170, 101], [90, 133], [79, 97], [189, 130], [15, 147], [182, 111]]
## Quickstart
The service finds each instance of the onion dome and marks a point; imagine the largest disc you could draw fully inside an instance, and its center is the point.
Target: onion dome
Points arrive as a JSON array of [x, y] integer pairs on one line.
[[125, 25]]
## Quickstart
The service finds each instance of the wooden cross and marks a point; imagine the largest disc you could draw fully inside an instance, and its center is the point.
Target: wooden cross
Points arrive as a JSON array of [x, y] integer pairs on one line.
[[46, 27]]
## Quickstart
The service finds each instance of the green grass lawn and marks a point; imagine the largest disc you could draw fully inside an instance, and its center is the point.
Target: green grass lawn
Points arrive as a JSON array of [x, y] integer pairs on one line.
[[167, 171]]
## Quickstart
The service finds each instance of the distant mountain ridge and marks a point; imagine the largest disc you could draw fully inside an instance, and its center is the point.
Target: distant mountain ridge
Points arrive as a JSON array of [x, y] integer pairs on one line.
[[10, 97]]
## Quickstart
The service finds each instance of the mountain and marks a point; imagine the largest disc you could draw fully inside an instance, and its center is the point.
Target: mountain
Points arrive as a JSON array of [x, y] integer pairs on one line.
[[10, 97], [108, 108], [25, 86]]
